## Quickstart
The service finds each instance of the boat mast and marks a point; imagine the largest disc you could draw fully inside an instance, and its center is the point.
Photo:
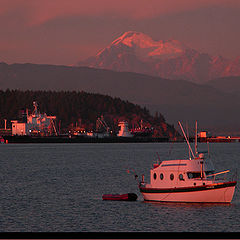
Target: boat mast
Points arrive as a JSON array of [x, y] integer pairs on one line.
[[196, 151], [189, 154], [186, 138]]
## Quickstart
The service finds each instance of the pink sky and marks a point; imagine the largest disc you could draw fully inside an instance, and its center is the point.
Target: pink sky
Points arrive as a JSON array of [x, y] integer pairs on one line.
[[66, 31]]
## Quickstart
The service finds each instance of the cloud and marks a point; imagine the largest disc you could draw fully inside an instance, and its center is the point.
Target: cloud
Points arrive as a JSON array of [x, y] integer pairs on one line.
[[65, 31], [39, 12]]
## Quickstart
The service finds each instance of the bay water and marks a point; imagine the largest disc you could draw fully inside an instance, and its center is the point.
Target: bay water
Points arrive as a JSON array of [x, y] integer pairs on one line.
[[59, 188]]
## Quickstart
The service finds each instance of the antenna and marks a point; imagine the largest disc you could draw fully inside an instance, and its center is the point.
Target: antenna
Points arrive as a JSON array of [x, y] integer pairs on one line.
[[159, 161], [196, 151], [186, 138], [35, 105]]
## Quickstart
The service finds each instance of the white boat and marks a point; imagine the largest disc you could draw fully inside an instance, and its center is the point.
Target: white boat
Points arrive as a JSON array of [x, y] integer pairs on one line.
[[187, 180]]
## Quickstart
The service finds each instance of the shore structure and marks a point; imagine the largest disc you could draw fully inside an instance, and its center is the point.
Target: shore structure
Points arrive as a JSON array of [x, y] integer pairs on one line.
[[124, 131], [37, 127], [34, 124]]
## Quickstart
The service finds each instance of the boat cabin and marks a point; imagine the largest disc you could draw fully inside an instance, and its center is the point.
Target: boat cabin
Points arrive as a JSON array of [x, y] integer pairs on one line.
[[180, 172]]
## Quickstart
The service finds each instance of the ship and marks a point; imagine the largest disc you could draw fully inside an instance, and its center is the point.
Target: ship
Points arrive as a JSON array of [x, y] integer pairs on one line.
[[142, 131], [34, 124]]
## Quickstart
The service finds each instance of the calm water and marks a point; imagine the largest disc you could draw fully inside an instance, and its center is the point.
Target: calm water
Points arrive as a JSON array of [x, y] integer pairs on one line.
[[58, 188]]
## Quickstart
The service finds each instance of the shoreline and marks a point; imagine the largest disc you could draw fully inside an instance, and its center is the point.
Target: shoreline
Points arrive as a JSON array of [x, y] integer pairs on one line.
[[80, 139], [112, 139]]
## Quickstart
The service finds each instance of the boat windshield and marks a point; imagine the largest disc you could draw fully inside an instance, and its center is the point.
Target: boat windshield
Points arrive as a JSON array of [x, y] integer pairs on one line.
[[194, 175]]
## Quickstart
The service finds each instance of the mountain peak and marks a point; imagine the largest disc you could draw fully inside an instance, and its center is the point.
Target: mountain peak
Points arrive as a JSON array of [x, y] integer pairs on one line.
[[145, 47], [131, 37], [137, 52]]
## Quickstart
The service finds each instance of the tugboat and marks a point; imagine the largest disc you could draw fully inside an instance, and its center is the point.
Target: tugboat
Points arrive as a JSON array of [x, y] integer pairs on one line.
[[187, 180]]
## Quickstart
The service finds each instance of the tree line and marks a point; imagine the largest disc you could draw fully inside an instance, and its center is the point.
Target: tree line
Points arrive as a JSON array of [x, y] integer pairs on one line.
[[78, 108]]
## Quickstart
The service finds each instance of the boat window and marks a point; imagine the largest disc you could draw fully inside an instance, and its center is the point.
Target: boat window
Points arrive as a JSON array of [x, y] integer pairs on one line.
[[171, 176], [194, 175], [155, 176], [161, 176], [181, 177]]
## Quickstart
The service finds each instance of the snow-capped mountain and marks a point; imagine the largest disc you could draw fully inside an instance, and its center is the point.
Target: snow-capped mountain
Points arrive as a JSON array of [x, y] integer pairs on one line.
[[145, 48], [137, 52]]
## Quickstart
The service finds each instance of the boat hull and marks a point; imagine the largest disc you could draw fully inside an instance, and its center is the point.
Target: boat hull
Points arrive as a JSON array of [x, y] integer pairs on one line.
[[214, 193]]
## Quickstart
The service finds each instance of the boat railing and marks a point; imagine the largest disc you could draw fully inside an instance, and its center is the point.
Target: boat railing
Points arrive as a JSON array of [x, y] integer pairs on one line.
[[219, 173]]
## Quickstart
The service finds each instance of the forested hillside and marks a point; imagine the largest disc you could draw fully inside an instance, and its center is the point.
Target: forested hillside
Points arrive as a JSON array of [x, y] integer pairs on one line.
[[82, 109]]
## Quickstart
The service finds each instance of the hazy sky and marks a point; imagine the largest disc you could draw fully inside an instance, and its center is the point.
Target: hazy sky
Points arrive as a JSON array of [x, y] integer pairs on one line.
[[66, 31]]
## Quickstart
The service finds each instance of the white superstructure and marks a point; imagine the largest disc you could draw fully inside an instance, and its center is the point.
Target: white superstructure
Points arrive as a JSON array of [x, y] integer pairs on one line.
[[34, 124], [124, 132]]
